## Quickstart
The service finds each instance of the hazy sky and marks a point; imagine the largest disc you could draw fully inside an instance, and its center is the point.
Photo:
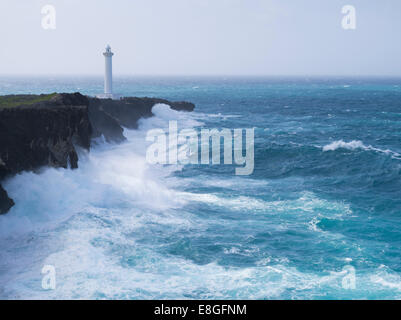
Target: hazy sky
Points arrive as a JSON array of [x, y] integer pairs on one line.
[[202, 37]]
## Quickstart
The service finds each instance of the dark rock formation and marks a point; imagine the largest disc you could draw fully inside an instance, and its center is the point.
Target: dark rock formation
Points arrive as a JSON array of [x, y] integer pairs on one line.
[[43, 130], [103, 123], [42, 134], [5, 202], [127, 111]]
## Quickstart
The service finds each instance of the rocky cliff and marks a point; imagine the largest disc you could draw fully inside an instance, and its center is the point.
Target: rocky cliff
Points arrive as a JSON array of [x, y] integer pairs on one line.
[[108, 116], [44, 130]]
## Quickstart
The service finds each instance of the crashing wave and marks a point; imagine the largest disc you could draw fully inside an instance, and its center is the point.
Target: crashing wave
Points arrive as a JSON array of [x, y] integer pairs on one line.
[[340, 144], [357, 144]]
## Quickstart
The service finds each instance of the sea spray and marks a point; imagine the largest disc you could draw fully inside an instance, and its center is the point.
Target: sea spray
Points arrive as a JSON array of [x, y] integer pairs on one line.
[[292, 230]]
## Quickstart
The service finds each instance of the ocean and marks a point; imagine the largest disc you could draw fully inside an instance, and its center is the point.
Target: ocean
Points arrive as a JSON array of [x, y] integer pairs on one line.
[[319, 217]]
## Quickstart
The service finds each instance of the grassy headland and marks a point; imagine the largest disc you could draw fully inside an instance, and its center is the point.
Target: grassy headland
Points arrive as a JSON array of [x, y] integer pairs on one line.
[[15, 100]]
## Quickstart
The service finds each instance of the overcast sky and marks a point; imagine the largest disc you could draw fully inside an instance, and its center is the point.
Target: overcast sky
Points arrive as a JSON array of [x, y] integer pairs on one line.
[[202, 37]]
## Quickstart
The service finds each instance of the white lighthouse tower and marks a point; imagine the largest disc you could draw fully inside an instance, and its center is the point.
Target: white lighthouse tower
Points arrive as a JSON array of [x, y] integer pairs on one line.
[[108, 73]]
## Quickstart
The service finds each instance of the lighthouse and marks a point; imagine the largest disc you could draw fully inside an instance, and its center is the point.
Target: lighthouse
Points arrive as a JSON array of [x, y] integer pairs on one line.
[[108, 73], [108, 76]]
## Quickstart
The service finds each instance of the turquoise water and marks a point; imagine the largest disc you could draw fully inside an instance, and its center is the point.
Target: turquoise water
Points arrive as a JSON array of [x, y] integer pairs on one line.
[[324, 198]]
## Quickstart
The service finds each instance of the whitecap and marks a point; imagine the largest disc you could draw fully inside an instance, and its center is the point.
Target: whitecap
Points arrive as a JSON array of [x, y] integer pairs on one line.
[[357, 144]]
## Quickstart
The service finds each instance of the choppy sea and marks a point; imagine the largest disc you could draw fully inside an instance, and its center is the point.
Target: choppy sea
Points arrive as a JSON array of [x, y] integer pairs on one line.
[[319, 218]]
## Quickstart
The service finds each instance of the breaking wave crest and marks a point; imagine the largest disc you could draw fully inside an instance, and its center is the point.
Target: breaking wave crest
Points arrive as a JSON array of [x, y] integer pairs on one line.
[[119, 228], [356, 144]]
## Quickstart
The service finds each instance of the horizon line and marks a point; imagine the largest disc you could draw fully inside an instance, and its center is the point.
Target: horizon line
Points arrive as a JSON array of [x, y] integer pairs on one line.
[[99, 75]]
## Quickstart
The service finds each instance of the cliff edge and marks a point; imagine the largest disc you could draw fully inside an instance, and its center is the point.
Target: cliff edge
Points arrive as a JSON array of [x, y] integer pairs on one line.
[[44, 130]]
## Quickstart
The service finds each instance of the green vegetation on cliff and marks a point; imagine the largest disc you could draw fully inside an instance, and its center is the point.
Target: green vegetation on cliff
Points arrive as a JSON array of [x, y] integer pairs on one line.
[[10, 101]]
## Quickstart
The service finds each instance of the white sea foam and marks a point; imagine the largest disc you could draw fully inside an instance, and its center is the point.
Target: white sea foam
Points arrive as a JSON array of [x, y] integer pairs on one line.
[[163, 114], [357, 144], [90, 224], [232, 182], [59, 213], [340, 144], [307, 204], [87, 258], [109, 176]]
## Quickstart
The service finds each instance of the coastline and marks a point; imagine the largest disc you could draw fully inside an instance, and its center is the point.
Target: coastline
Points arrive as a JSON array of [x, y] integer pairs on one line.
[[44, 130]]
